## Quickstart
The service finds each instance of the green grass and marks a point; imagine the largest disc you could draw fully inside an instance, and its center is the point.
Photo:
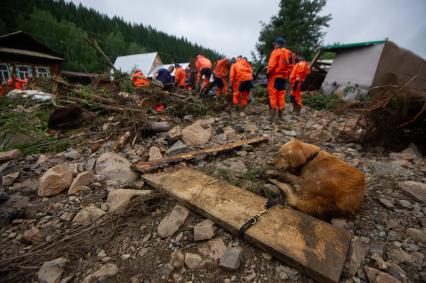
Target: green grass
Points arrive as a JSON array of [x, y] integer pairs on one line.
[[321, 101]]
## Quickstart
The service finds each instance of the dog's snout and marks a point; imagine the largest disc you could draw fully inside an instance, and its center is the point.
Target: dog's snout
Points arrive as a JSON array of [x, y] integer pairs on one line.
[[281, 163]]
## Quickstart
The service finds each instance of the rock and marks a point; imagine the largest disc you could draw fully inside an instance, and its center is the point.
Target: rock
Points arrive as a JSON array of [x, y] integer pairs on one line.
[[55, 180], [231, 259], [266, 256], [250, 276], [415, 190], [376, 276], [399, 256], [389, 169], [172, 222], [358, 252], [51, 271], [119, 199], [204, 230], [88, 215], [177, 260], [234, 165], [3, 197], [404, 203], [416, 235], [290, 133], [112, 166], [9, 179], [193, 261], [413, 151], [82, 179], [72, 154], [32, 235], [286, 272], [10, 155], [196, 134], [174, 135], [106, 271], [387, 203], [155, 153], [176, 148]]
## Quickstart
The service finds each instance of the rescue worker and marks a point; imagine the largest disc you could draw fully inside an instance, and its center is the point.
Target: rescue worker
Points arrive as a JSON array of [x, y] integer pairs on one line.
[[204, 71], [279, 67], [232, 79], [165, 77], [220, 73], [139, 80], [297, 76], [180, 76], [188, 72], [16, 83], [241, 78]]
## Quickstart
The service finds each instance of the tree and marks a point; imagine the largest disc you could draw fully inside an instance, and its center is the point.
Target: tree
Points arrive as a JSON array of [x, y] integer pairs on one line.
[[299, 22]]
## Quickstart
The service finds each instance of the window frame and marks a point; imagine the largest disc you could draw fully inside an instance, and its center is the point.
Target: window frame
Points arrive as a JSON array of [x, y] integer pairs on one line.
[[3, 72], [30, 71], [45, 74]]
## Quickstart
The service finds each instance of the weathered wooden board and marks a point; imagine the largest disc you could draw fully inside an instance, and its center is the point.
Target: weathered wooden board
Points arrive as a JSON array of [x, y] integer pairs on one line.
[[314, 246], [166, 161]]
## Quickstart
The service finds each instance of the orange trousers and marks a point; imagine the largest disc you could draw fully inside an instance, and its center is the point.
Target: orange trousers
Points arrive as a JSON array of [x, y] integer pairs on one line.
[[237, 94], [223, 89], [276, 97], [204, 81], [295, 93]]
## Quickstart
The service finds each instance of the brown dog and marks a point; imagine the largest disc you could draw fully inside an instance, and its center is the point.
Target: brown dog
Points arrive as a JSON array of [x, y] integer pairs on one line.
[[329, 187]]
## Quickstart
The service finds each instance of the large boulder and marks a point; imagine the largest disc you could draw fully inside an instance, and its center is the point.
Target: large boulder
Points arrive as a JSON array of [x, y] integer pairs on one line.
[[119, 199], [112, 166], [55, 180], [197, 133]]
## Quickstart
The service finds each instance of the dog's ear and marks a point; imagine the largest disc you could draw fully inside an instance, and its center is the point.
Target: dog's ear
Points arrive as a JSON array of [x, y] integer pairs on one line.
[[296, 157]]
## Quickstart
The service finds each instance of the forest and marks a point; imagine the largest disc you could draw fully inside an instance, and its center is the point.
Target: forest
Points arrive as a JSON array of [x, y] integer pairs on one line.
[[64, 27]]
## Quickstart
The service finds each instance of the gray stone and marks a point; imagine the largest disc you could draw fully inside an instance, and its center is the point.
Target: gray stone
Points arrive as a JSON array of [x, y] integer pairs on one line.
[[398, 256], [177, 259], [387, 203], [204, 230], [404, 203], [55, 180], [176, 148], [51, 271], [10, 155], [119, 199], [155, 153], [112, 166], [376, 276], [88, 215], [174, 134], [72, 154], [32, 235], [389, 169], [106, 271], [234, 165], [416, 190], [416, 235], [286, 272], [197, 133], [194, 261], [357, 254], [172, 222], [290, 133], [9, 179], [82, 179], [231, 259]]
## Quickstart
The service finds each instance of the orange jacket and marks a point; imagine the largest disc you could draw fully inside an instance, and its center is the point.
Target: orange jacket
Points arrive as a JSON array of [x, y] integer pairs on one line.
[[16, 83], [241, 71], [202, 63], [221, 69], [280, 63], [139, 80], [180, 76], [300, 71]]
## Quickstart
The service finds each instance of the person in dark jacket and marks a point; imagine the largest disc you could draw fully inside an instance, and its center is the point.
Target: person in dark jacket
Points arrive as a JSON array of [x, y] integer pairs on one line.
[[165, 77]]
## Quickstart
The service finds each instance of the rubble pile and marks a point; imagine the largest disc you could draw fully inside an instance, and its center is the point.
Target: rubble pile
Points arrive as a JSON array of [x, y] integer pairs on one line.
[[83, 214]]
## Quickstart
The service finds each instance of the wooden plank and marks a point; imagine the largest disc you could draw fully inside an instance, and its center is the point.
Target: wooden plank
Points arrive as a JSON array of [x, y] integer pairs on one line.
[[163, 162], [314, 246]]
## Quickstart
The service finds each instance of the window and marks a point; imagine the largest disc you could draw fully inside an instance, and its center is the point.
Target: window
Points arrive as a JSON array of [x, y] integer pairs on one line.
[[42, 72], [4, 73], [23, 71]]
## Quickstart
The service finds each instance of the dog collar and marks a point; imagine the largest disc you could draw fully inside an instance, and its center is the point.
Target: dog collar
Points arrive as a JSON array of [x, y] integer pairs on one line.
[[311, 157]]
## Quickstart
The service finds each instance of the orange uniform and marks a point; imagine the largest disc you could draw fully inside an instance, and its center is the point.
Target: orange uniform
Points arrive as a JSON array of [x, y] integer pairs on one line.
[[297, 76], [180, 77], [279, 67], [16, 83], [139, 79], [241, 78], [221, 76], [204, 68]]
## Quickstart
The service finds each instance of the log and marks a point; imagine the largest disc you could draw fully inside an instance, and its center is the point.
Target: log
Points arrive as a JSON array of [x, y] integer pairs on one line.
[[166, 161], [315, 247], [158, 126]]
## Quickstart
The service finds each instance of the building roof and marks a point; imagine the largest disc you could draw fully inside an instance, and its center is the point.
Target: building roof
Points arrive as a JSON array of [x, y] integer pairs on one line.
[[23, 44], [165, 66], [338, 46], [144, 62], [79, 74]]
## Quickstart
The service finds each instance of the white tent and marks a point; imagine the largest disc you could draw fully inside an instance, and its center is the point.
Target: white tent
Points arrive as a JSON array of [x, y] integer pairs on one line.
[[165, 66], [146, 62]]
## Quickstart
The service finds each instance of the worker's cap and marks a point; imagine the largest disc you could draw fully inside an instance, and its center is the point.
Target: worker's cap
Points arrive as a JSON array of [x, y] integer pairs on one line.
[[279, 40], [177, 65], [233, 60]]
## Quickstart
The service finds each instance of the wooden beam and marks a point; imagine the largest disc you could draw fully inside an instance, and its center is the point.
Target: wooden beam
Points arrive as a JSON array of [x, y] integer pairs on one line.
[[313, 246], [163, 162]]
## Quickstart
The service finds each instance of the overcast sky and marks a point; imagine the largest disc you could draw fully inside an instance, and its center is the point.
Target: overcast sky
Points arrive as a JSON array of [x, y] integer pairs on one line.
[[232, 26]]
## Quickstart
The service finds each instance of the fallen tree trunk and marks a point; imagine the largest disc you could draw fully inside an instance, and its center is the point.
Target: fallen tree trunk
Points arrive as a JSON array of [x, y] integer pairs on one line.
[[163, 162]]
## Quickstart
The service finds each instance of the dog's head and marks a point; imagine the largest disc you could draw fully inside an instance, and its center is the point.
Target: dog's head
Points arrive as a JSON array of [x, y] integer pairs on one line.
[[294, 154]]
